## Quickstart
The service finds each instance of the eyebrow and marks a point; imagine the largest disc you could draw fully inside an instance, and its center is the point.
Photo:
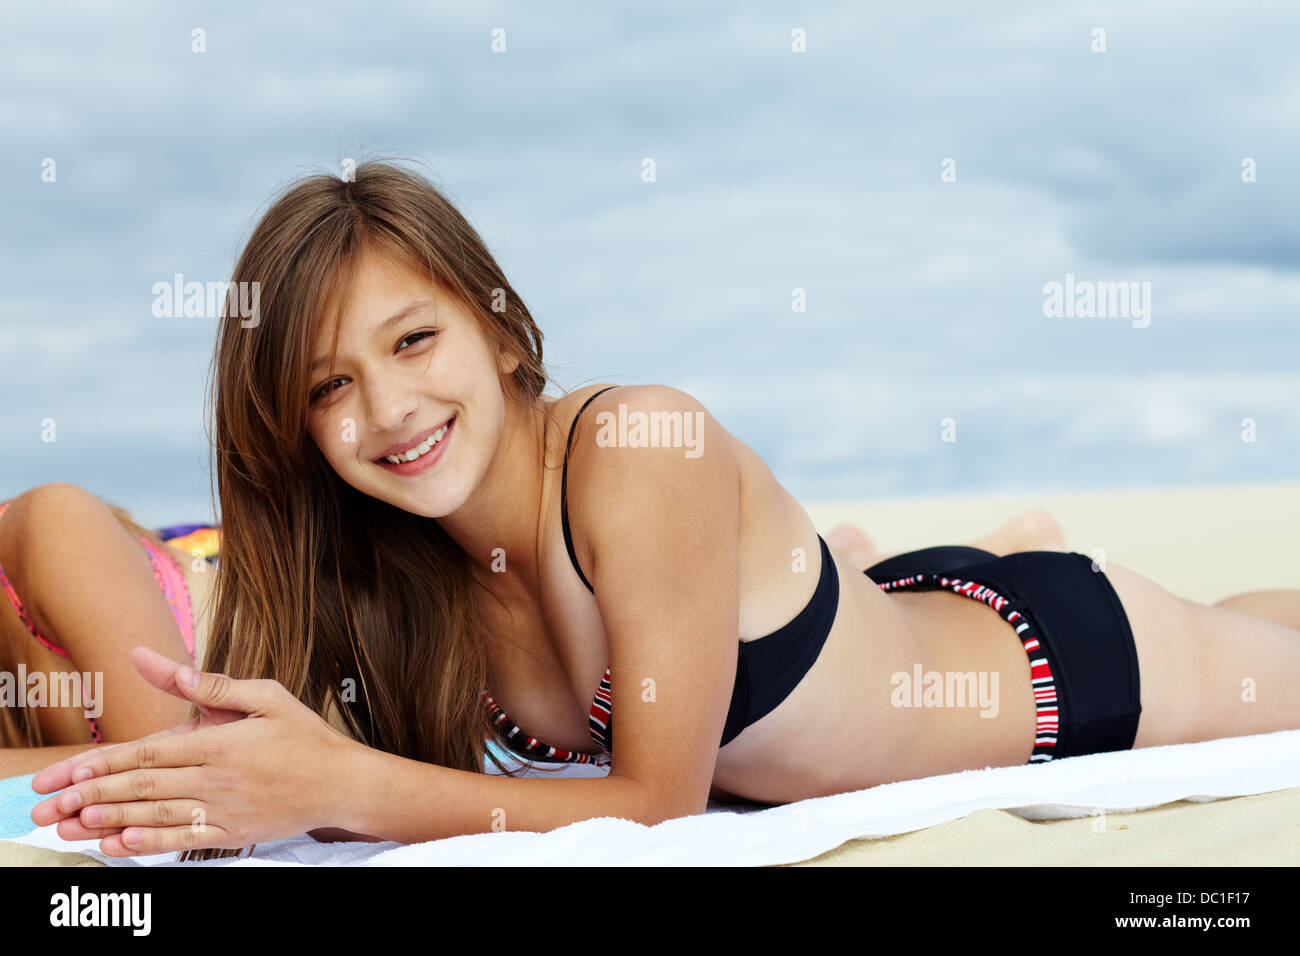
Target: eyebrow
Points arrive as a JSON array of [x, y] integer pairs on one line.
[[419, 305]]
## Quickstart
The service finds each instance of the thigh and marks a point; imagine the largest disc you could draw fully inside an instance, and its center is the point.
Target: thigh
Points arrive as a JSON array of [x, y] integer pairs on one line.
[[1280, 606], [1206, 672]]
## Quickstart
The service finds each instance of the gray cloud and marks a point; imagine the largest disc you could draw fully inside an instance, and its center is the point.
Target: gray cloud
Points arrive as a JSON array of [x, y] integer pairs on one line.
[[775, 171]]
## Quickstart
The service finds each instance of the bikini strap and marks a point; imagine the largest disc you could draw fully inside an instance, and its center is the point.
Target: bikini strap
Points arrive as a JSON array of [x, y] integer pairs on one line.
[[564, 489]]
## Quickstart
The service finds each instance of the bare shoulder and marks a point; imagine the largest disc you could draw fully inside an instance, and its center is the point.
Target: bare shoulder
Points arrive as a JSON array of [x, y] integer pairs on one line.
[[642, 451], [42, 525], [48, 531], [648, 429]]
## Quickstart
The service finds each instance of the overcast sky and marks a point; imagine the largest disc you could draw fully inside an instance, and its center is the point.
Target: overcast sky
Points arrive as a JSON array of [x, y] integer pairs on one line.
[[776, 170]]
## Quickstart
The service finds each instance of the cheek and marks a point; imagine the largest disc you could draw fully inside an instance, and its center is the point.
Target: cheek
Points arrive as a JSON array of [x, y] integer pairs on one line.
[[327, 433]]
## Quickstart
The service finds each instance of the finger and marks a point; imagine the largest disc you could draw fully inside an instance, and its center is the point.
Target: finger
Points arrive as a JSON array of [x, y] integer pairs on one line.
[[171, 677], [71, 828], [160, 781], [85, 766], [113, 817], [175, 678], [218, 692], [139, 841], [156, 778], [158, 669], [59, 775]]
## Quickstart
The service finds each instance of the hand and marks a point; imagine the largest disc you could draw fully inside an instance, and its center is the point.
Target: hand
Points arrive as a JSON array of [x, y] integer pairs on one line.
[[165, 674], [256, 765]]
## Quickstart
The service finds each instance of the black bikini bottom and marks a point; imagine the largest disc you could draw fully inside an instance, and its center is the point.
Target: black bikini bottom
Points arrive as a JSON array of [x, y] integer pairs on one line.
[[1083, 661]]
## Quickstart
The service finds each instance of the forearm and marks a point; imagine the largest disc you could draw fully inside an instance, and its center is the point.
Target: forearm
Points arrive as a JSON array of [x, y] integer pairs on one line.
[[20, 761], [394, 798]]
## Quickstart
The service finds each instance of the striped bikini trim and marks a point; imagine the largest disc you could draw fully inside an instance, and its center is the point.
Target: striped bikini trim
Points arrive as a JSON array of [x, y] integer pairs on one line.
[[96, 735], [171, 579], [530, 747], [26, 618], [18, 607], [1046, 701], [601, 720]]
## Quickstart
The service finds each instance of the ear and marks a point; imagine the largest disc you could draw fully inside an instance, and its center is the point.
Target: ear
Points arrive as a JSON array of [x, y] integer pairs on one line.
[[507, 361]]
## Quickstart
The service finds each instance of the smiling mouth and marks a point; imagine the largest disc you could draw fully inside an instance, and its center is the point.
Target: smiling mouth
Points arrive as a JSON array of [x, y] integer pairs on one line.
[[416, 452]]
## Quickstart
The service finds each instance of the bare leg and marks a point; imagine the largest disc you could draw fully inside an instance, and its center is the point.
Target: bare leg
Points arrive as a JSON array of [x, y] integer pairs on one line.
[[1034, 530], [1209, 671], [851, 540], [1281, 607]]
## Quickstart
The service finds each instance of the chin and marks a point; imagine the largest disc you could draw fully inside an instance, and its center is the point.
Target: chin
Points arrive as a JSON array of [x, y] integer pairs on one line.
[[429, 503], [425, 509], [427, 496]]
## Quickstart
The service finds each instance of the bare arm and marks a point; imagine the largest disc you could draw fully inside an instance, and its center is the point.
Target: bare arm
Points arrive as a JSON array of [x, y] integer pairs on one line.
[[20, 761], [657, 534], [411, 802]]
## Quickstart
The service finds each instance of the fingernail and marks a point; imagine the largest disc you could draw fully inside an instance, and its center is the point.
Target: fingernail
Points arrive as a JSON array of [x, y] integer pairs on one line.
[[93, 817], [70, 801], [131, 838], [82, 773], [188, 676]]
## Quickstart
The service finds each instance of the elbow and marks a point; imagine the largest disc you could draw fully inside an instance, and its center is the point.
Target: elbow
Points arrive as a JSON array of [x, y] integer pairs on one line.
[[653, 808], [655, 817]]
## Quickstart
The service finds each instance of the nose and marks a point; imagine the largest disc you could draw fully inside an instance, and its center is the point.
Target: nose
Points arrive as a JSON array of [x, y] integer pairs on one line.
[[388, 404]]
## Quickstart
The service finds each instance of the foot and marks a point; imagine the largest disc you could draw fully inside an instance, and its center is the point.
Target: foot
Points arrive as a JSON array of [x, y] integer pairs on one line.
[[853, 543], [1033, 530]]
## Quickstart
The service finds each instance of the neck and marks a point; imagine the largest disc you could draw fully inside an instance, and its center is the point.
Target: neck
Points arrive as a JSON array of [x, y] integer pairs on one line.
[[499, 526]]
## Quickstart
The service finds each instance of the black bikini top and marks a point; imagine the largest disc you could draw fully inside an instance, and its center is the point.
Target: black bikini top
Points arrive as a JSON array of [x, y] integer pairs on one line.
[[768, 669]]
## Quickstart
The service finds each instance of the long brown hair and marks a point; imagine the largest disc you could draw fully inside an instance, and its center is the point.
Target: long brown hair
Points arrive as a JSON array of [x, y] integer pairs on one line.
[[349, 602]]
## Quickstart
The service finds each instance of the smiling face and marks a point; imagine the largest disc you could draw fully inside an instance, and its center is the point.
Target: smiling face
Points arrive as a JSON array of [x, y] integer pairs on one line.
[[415, 378]]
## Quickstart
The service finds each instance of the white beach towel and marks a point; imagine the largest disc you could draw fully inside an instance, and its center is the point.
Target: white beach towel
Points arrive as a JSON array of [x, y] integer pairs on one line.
[[1078, 786]]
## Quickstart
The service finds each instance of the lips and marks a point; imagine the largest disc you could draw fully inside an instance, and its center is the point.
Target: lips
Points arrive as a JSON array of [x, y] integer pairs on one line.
[[403, 447]]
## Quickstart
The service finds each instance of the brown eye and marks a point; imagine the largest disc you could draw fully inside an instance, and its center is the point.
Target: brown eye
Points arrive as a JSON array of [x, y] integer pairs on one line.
[[415, 336], [324, 388]]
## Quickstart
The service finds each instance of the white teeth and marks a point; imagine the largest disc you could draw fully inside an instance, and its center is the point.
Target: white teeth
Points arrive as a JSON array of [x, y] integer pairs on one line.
[[420, 449]]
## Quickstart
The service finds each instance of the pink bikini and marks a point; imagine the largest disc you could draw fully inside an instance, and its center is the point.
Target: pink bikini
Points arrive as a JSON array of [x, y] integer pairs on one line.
[[170, 578]]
